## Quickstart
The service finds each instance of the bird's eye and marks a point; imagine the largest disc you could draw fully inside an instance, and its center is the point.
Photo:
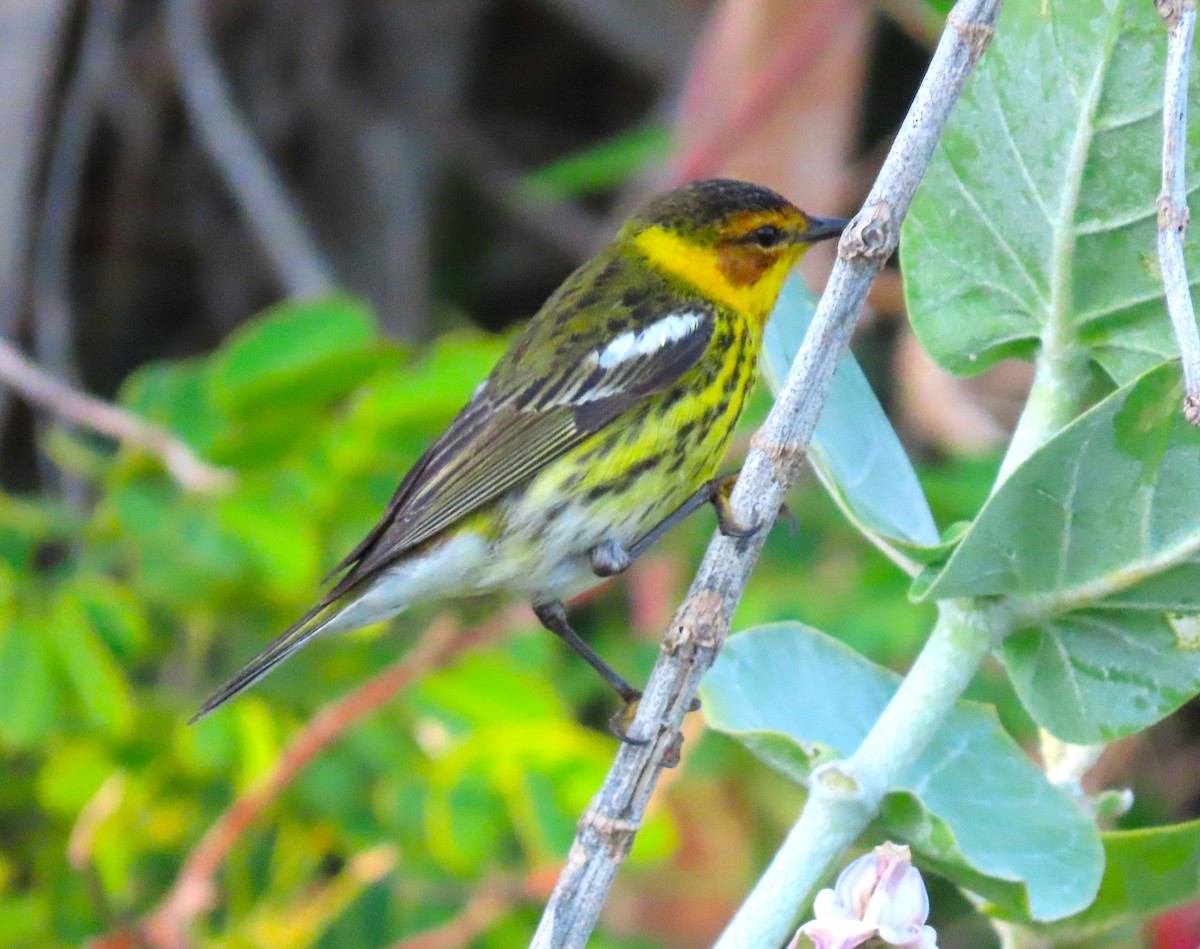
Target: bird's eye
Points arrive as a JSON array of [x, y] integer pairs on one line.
[[766, 236]]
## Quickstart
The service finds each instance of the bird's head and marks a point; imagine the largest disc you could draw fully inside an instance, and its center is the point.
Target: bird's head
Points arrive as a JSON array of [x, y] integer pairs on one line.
[[733, 241]]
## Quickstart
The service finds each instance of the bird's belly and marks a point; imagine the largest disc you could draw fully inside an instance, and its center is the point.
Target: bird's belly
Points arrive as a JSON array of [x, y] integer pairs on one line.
[[546, 553], [544, 548]]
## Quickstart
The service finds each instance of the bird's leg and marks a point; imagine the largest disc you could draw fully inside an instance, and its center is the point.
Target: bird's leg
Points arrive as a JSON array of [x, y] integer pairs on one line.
[[553, 616], [611, 557], [719, 491]]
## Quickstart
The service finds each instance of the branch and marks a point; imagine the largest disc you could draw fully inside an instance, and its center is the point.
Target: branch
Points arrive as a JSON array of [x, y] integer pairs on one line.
[[193, 892], [487, 905], [42, 389], [606, 831], [256, 187], [1180, 18], [53, 341], [31, 36]]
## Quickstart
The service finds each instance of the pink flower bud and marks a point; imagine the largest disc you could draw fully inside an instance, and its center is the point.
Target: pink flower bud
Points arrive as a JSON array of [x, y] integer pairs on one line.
[[879, 896]]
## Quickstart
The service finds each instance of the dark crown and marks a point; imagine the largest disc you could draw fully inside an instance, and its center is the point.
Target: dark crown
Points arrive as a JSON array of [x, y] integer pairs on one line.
[[701, 204]]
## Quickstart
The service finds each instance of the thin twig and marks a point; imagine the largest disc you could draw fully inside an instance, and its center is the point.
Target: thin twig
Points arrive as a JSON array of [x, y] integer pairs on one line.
[[606, 831], [82, 839], [53, 341], [86, 411], [193, 890], [30, 49], [488, 904], [53, 338], [254, 182], [1180, 18]]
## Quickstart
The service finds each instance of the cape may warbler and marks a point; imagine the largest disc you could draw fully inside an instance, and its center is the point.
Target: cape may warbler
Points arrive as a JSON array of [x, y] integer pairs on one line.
[[600, 428]]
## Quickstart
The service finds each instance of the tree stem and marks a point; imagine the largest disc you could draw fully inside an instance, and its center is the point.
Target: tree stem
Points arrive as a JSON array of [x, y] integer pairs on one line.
[[846, 795]]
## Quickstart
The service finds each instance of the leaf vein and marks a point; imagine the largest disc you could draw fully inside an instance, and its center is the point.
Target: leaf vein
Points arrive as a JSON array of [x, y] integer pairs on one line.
[[999, 237], [1022, 166]]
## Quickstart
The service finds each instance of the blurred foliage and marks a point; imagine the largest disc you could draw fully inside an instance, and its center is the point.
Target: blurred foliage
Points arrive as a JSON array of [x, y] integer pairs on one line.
[[601, 167], [114, 624]]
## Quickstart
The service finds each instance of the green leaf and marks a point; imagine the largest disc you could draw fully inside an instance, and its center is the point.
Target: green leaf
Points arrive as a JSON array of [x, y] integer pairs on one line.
[[1000, 819], [544, 770], [1146, 872], [98, 682], [605, 165], [299, 352], [855, 450], [487, 689], [73, 772], [155, 524], [1114, 498], [1096, 675], [940, 8], [113, 612], [29, 702], [280, 540], [174, 395], [25, 524], [1037, 215], [1112, 563], [429, 392]]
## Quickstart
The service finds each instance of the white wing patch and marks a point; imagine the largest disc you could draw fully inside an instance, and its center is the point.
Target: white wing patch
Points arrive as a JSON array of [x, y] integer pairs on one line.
[[630, 345], [626, 348]]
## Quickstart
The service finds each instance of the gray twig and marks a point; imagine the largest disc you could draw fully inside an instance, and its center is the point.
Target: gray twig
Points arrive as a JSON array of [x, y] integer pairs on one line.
[[53, 334], [30, 40], [698, 629], [256, 186], [96, 415], [1180, 18]]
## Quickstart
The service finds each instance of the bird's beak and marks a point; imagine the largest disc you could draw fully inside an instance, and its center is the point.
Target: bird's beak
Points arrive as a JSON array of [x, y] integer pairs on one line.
[[821, 229]]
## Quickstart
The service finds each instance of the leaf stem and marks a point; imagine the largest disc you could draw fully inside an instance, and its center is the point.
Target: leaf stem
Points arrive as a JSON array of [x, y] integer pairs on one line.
[[1054, 397], [845, 795]]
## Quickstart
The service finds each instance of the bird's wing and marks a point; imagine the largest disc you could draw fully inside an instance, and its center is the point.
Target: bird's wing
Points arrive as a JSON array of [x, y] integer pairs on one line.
[[498, 442]]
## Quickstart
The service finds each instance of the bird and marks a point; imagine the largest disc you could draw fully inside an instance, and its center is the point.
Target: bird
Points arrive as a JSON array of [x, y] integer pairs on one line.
[[600, 427]]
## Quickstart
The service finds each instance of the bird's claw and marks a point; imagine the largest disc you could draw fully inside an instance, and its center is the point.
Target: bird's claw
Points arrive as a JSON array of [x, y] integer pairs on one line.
[[621, 722], [729, 525], [726, 522]]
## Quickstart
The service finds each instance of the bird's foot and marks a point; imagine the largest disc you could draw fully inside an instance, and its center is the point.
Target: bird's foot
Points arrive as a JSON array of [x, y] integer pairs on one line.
[[728, 524], [610, 558], [621, 722]]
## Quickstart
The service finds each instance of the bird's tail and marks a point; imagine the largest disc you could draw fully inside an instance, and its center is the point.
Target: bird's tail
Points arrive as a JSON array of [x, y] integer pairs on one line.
[[316, 621]]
